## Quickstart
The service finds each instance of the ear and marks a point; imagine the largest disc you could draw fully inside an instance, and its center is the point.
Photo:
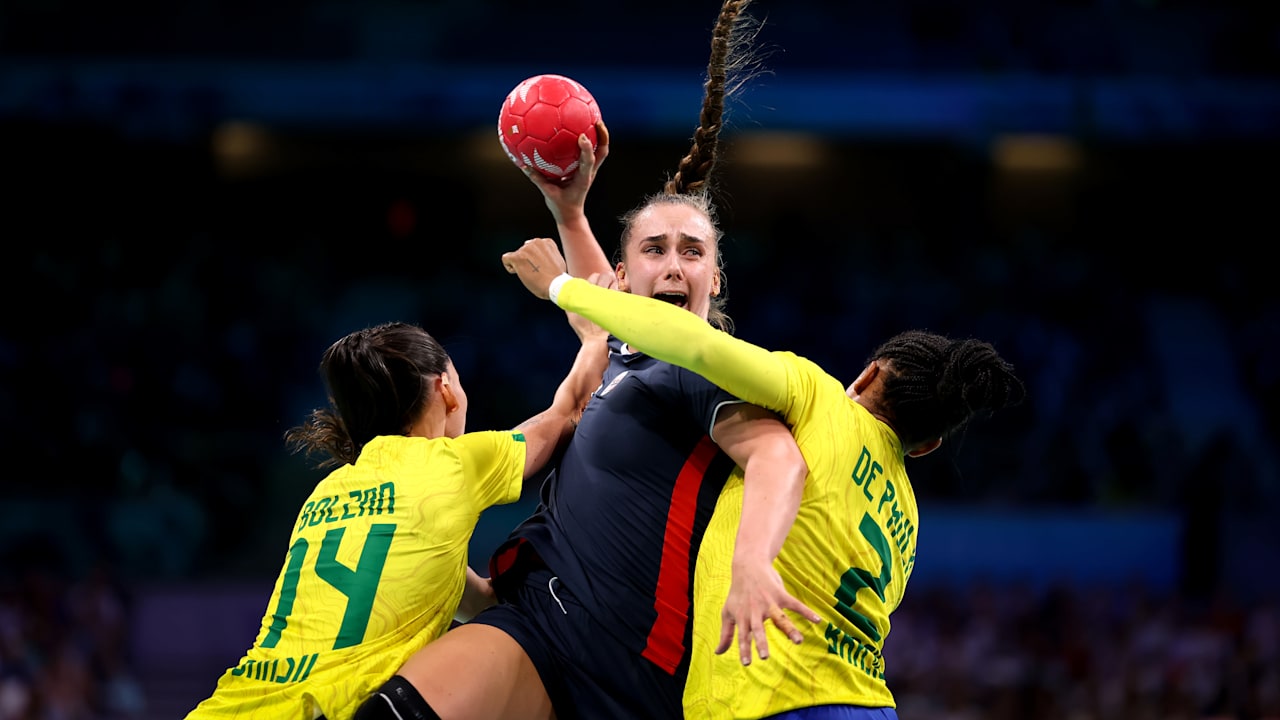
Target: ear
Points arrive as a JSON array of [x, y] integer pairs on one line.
[[620, 272], [864, 379], [715, 284], [926, 448], [446, 394]]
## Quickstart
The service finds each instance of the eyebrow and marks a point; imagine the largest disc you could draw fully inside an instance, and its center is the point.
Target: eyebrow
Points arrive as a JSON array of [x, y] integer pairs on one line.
[[683, 238]]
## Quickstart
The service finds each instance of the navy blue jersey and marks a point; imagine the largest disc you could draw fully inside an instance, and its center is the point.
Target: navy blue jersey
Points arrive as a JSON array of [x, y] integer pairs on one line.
[[621, 518]]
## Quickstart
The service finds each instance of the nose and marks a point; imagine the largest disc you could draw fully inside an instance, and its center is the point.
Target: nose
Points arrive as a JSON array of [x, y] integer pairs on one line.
[[674, 271]]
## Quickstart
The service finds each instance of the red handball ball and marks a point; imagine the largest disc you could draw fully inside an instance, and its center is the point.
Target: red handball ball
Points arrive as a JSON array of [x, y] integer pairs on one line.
[[540, 122]]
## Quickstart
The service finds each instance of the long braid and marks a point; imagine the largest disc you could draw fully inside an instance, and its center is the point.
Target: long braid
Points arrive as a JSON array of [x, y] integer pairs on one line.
[[733, 63], [693, 173]]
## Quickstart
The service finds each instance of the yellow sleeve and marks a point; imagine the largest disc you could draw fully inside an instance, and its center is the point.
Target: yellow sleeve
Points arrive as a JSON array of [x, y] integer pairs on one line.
[[679, 337], [493, 463]]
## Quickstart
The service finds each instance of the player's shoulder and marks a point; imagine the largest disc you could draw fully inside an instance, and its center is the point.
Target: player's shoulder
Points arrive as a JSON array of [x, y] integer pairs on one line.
[[394, 451], [481, 441], [799, 365], [791, 358]]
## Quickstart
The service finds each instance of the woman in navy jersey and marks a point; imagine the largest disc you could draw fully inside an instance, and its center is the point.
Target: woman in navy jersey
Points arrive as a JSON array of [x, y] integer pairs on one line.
[[595, 588]]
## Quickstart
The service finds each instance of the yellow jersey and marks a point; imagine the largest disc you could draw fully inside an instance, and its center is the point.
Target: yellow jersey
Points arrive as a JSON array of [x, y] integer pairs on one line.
[[847, 557], [375, 569]]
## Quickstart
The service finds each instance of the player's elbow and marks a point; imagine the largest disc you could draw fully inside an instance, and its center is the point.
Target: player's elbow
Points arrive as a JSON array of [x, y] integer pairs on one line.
[[783, 460]]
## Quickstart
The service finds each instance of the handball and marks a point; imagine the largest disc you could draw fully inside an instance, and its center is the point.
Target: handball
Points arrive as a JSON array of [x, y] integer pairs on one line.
[[540, 122]]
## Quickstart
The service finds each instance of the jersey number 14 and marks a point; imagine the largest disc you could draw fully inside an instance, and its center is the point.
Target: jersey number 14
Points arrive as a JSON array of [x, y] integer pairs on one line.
[[359, 585]]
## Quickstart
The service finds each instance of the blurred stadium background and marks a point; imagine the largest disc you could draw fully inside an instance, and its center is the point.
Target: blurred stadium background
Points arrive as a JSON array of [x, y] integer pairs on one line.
[[200, 197]]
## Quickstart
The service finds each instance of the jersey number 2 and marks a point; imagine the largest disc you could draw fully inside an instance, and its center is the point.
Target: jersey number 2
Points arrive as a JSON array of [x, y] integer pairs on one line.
[[359, 585], [854, 579]]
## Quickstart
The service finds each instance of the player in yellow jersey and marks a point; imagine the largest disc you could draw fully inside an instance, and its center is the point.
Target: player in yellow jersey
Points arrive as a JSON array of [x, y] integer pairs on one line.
[[377, 565], [852, 547]]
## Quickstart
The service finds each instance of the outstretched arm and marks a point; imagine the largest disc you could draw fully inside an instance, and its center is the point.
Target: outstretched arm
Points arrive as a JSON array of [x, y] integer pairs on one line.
[[656, 328]]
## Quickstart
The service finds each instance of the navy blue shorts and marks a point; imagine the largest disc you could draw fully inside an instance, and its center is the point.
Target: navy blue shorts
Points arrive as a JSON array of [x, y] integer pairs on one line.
[[837, 712], [586, 671]]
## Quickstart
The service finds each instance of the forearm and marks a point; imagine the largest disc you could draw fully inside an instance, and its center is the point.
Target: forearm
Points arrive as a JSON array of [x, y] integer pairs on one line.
[[773, 486], [544, 434], [582, 252], [679, 337], [584, 377], [477, 594]]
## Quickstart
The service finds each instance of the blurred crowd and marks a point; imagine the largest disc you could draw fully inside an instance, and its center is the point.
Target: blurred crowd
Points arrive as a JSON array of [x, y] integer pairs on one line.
[[67, 647], [1073, 653], [977, 652]]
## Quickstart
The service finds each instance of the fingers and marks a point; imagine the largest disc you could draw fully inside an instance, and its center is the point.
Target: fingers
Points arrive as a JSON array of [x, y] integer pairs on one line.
[[783, 622], [530, 255], [538, 261], [726, 634], [758, 635], [602, 141], [602, 146], [761, 640], [606, 280], [542, 182], [802, 610], [590, 158]]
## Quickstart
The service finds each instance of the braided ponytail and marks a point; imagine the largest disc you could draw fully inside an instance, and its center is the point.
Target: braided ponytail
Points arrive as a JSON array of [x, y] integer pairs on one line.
[[935, 385], [732, 64]]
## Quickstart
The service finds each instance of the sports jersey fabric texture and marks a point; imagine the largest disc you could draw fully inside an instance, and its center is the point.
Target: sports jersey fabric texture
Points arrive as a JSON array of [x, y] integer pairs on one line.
[[375, 569], [621, 517], [850, 552]]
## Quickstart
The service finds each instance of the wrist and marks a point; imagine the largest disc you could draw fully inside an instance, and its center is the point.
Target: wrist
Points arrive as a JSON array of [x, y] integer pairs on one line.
[[553, 291], [745, 562], [570, 216]]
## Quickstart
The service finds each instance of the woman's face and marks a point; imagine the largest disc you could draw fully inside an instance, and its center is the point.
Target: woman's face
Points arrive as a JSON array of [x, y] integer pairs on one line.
[[671, 255]]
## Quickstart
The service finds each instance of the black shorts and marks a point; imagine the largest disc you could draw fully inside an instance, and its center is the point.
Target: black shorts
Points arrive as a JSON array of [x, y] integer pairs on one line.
[[586, 671]]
